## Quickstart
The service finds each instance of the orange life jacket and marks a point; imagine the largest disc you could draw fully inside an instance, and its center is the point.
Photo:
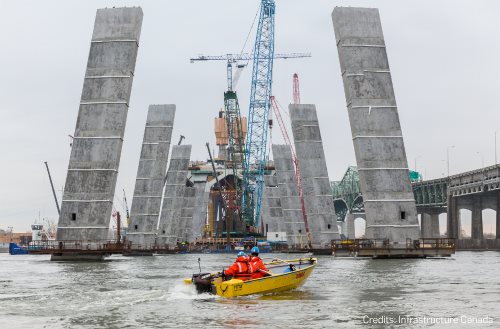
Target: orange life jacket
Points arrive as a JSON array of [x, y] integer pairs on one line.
[[257, 264], [241, 269]]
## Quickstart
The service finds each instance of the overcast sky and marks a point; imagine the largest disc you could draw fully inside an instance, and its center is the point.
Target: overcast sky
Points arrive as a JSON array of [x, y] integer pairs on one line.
[[443, 57]]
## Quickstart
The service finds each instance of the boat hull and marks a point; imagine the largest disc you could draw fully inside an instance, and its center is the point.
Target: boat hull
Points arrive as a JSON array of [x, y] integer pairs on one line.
[[266, 285]]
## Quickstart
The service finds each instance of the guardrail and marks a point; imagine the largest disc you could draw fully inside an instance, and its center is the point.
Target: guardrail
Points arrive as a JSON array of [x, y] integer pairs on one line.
[[355, 245]]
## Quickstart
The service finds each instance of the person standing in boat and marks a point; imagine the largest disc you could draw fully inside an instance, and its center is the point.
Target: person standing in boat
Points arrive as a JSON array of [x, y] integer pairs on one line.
[[259, 269], [241, 269]]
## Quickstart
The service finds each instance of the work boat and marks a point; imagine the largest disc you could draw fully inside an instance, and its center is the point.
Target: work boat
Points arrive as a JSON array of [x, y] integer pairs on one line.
[[282, 275]]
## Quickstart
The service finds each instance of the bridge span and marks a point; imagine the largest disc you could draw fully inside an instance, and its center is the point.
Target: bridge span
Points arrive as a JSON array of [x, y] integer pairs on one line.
[[474, 190]]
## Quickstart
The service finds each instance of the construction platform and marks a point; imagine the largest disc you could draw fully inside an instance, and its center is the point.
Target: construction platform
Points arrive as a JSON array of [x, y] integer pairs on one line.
[[374, 248], [95, 250], [76, 250]]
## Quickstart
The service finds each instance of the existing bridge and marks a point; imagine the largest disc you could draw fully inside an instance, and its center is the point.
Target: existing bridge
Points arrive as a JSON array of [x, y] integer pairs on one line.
[[474, 190]]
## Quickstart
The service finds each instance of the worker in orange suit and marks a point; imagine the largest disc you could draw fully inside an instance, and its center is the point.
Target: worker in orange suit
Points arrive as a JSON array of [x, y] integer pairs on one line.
[[259, 269], [241, 269]]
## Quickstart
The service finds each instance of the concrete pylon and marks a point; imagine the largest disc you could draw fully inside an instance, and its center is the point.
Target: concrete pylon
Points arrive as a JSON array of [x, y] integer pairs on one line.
[[200, 210], [98, 138], [146, 203], [318, 198], [272, 215], [173, 197], [293, 219], [185, 228], [376, 132]]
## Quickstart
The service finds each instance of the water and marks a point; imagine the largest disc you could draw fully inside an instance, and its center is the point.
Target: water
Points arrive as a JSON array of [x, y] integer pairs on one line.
[[148, 292]]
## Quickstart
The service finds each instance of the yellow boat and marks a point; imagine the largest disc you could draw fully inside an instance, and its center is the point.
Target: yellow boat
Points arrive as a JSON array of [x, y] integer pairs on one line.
[[284, 275]]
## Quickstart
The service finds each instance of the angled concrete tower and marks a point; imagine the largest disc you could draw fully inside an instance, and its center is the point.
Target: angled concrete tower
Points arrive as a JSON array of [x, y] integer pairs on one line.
[[150, 180], [185, 228], [318, 197], [293, 219], [95, 156], [272, 215], [173, 198], [376, 131], [200, 210]]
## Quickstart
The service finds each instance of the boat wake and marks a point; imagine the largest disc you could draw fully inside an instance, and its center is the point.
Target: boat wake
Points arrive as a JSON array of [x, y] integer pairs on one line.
[[185, 291]]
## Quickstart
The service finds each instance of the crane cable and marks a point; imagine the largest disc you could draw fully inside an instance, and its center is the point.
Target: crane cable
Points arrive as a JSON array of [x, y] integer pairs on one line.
[[248, 35]]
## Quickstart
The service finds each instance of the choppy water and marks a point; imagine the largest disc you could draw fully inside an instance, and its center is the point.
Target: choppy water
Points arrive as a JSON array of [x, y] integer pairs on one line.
[[147, 292]]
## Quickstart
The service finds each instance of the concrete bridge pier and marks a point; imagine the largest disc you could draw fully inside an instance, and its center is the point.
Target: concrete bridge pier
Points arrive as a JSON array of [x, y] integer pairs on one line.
[[453, 218], [430, 225], [350, 230], [498, 217], [477, 218]]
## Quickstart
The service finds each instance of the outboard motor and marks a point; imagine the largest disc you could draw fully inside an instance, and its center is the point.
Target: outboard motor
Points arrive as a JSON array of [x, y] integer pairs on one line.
[[203, 282]]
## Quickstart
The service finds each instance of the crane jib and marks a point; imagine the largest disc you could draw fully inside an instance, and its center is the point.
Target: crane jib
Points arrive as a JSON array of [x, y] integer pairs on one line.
[[261, 89]]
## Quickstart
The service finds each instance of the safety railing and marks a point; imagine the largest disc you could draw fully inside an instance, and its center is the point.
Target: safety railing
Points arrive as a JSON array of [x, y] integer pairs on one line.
[[75, 245], [378, 244]]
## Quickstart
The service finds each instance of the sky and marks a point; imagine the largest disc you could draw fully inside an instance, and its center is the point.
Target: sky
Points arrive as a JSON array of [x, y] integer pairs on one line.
[[442, 55]]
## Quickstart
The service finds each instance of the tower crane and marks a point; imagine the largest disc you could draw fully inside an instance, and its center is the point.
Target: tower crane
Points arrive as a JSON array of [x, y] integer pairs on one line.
[[234, 59]]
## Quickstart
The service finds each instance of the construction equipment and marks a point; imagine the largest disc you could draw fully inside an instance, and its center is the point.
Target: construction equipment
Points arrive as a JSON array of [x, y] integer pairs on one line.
[[296, 89], [260, 99], [251, 156], [298, 181], [234, 122], [126, 208], [226, 215], [180, 139], [233, 62], [53, 190]]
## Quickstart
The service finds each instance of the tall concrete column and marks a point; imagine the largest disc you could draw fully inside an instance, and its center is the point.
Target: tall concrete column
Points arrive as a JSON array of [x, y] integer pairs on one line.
[[293, 219], [435, 233], [318, 198], [146, 203], [200, 210], [98, 138], [453, 218], [173, 197], [272, 215], [350, 228], [430, 226], [185, 228], [498, 216], [477, 218], [376, 131], [425, 223]]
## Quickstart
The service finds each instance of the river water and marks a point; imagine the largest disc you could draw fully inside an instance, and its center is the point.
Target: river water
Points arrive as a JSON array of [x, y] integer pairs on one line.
[[147, 292]]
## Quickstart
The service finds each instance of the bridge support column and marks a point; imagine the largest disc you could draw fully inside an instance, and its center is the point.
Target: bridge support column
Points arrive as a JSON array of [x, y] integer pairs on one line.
[[427, 226], [498, 216], [435, 226], [477, 218], [350, 231], [430, 226], [453, 218]]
